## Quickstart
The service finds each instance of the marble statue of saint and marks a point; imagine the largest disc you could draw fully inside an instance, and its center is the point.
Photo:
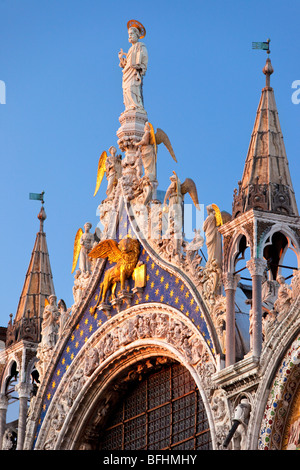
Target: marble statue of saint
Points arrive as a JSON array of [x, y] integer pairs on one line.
[[134, 65], [213, 237], [86, 244], [50, 323]]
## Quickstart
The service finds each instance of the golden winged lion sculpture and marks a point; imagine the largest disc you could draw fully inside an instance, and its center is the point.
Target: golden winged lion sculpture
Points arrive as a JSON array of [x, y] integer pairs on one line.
[[125, 254]]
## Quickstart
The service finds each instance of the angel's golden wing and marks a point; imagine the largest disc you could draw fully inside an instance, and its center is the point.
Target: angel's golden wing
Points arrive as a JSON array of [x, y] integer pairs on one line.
[[161, 137], [46, 302], [152, 137], [100, 171], [76, 249], [188, 186], [106, 249], [218, 215]]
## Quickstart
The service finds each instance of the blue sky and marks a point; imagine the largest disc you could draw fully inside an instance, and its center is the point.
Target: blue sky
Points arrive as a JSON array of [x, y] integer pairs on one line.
[[59, 63]]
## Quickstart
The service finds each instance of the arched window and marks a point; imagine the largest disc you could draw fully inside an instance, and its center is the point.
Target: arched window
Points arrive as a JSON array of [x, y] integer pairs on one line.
[[162, 411], [12, 395], [281, 254]]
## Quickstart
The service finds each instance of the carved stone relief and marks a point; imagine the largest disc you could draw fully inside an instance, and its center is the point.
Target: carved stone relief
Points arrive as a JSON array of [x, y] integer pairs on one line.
[[160, 328]]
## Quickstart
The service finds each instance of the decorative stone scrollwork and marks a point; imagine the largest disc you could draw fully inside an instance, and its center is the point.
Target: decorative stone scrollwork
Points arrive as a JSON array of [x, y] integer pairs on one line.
[[9, 441], [218, 315], [295, 284], [62, 408], [221, 417]]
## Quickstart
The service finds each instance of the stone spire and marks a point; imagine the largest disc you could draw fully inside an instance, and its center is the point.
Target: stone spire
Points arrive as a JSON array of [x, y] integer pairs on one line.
[[266, 182], [37, 287]]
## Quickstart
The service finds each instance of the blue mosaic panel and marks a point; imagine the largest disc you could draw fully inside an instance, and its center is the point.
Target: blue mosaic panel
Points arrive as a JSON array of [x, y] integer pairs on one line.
[[161, 287]]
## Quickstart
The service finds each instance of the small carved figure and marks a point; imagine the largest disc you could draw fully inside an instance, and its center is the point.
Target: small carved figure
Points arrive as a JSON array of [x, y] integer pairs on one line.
[[9, 441], [86, 241], [64, 315], [295, 283], [220, 415], [50, 323], [105, 211], [83, 243], [75, 387], [241, 415], [77, 287], [213, 236], [269, 292], [210, 277], [284, 298], [175, 194], [91, 361], [113, 170]]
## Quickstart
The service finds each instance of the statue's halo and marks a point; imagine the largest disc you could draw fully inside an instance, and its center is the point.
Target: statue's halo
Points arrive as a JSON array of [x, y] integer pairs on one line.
[[138, 25]]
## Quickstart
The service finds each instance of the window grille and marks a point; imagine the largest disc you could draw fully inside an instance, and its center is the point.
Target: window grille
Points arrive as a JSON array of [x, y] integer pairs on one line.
[[164, 411]]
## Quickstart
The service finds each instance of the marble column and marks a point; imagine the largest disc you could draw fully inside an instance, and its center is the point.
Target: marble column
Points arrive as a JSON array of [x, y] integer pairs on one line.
[[3, 410], [230, 282], [256, 267], [23, 389]]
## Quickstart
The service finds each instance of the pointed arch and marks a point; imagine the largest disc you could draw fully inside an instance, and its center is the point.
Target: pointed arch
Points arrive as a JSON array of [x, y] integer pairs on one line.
[[12, 367], [275, 244], [239, 244]]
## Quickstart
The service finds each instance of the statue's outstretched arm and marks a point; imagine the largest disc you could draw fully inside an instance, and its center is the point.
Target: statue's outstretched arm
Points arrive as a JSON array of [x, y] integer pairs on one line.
[[123, 58]]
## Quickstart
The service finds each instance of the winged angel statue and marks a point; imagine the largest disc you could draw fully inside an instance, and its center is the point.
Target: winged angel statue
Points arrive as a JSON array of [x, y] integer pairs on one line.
[[83, 243], [177, 190], [125, 254], [111, 165], [148, 145], [215, 218]]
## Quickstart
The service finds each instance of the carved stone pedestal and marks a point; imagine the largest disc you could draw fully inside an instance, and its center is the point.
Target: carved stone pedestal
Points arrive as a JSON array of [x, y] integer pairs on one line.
[[105, 308], [132, 128], [125, 297]]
